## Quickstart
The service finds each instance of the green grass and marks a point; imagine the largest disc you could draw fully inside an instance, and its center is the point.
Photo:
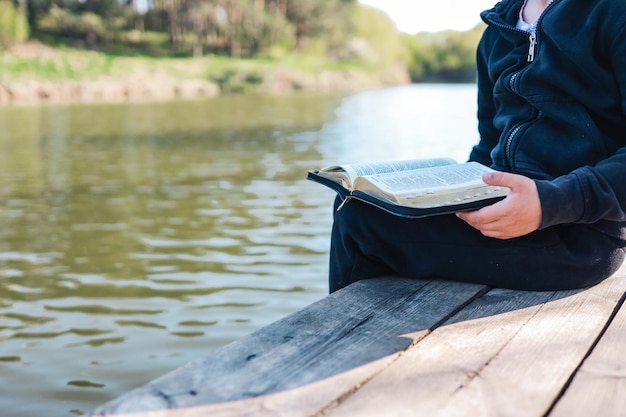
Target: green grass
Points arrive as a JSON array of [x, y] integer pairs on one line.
[[73, 66], [135, 55], [64, 63]]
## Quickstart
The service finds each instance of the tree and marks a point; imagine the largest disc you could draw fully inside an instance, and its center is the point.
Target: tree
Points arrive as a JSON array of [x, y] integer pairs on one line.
[[386, 44], [329, 20], [13, 23]]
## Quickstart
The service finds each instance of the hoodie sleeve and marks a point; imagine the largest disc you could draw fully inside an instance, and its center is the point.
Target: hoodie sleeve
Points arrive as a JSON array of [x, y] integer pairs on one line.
[[587, 195], [593, 193]]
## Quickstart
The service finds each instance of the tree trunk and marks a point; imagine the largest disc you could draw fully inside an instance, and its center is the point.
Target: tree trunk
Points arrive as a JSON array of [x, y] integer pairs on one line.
[[174, 27]]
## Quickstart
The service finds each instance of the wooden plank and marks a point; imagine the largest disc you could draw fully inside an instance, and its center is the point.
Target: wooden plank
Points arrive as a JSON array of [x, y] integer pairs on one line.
[[599, 387], [305, 401], [507, 354], [342, 340]]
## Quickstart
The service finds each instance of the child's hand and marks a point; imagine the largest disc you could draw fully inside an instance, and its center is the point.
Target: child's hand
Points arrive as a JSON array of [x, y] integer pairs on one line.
[[517, 215]]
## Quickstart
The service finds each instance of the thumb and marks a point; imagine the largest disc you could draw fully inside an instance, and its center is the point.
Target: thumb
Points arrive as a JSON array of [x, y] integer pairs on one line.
[[500, 179]]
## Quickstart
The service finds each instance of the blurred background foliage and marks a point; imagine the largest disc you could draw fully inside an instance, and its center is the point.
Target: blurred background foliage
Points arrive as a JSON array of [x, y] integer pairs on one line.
[[339, 32]]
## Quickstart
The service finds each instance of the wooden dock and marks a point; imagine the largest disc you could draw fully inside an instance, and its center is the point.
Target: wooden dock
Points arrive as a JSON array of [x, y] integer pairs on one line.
[[400, 347]]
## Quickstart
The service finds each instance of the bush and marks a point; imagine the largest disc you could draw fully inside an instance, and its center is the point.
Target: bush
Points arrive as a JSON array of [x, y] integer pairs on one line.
[[447, 56], [85, 26]]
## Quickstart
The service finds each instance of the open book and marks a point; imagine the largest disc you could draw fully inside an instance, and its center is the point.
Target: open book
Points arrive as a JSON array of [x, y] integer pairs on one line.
[[413, 188]]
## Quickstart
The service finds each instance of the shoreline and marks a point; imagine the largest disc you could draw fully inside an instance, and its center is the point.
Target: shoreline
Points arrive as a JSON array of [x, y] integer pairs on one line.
[[160, 86], [135, 80]]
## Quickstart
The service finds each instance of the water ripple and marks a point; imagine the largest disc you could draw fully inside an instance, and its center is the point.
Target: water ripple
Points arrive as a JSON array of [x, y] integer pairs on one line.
[[134, 238]]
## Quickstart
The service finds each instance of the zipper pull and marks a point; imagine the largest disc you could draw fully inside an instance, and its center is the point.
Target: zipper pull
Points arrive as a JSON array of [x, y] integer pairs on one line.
[[531, 48], [345, 200]]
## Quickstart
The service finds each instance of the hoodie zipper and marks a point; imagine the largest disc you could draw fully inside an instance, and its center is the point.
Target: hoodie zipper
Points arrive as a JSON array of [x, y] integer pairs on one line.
[[532, 45], [512, 81], [532, 40], [508, 144], [532, 50]]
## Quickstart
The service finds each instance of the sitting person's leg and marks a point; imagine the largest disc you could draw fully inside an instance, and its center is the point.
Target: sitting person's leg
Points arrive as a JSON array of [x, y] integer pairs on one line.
[[368, 242]]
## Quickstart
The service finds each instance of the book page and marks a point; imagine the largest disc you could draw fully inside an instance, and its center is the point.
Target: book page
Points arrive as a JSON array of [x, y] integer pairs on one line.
[[430, 180], [352, 171], [396, 166], [432, 187]]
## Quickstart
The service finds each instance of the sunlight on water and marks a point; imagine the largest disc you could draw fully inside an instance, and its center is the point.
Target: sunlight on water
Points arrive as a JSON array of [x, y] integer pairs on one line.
[[419, 121], [135, 238]]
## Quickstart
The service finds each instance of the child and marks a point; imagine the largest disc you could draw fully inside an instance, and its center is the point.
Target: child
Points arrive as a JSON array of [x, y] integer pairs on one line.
[[551, 116]]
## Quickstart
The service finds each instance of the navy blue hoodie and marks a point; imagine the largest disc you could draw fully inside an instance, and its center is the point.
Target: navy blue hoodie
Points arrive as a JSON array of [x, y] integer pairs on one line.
[[553, 107]]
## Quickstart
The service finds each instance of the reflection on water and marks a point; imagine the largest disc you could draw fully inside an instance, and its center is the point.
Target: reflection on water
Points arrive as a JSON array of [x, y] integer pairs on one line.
[[134, 238]]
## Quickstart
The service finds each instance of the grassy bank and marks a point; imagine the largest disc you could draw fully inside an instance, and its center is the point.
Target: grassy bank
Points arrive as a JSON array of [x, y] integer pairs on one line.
[[33, 60], [32, 71]]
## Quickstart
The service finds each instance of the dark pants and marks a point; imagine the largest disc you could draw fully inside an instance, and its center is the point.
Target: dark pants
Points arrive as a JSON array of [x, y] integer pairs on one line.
[[367, 242]]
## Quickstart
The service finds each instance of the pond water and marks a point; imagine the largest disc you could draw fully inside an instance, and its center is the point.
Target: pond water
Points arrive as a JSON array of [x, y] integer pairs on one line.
[[137, 237]]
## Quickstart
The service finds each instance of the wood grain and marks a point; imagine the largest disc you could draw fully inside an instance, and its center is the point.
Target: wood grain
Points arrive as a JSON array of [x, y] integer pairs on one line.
[[400, 347], [507, 354], [362, 327], [599, 388]]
